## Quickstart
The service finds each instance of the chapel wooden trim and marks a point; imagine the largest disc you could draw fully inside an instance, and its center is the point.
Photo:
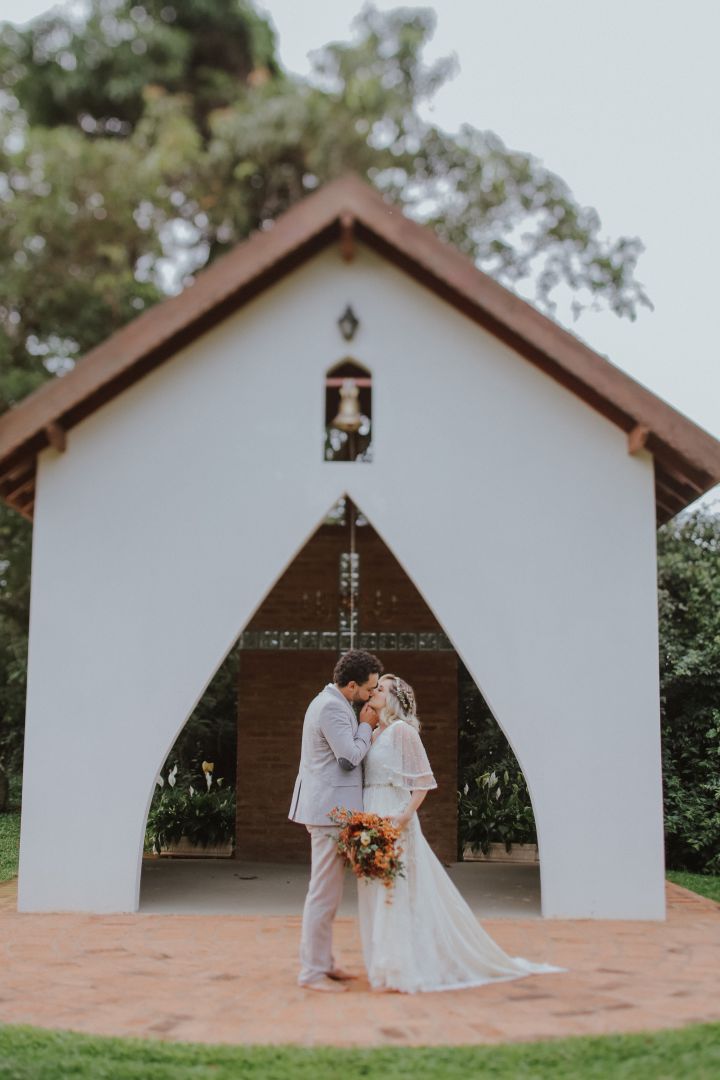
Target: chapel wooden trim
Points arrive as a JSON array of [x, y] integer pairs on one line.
[[347, 212]]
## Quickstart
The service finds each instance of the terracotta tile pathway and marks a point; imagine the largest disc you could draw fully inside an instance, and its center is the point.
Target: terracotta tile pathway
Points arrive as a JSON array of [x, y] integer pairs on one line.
[[231, 979]]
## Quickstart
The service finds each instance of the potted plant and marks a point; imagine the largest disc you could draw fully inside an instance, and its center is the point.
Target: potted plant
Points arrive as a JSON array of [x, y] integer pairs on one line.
[[496, 817], [189, 821]]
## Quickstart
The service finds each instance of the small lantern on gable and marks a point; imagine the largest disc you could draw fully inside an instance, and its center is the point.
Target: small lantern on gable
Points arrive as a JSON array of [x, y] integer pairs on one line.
[[348, 323]]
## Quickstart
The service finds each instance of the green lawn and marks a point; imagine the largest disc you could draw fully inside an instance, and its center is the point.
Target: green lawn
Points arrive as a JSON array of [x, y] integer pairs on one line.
[[705, 884], [34, 1054]]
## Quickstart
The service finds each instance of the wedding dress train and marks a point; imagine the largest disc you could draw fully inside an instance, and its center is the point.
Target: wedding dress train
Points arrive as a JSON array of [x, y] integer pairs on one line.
[[426, 937]]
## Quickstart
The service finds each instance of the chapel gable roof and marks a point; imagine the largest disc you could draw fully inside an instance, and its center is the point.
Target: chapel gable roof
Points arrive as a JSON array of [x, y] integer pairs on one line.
[[686, 458]]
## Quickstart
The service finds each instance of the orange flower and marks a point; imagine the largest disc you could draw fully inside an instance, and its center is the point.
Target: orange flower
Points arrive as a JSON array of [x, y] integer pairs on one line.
[[369, 843]]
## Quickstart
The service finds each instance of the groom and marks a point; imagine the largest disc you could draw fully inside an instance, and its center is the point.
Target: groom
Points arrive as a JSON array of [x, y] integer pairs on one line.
[[333, 745]]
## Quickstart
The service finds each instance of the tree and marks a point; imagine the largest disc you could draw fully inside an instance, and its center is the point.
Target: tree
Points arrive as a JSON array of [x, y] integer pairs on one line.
[[689, 607], [140, 142], [92, 72], [15, 535]]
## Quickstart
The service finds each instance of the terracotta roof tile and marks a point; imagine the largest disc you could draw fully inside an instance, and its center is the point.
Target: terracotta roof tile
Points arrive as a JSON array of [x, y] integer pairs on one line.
[[687, 458]]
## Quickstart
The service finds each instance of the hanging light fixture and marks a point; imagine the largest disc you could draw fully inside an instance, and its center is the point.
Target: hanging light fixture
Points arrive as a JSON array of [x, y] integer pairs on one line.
[[348, 323]]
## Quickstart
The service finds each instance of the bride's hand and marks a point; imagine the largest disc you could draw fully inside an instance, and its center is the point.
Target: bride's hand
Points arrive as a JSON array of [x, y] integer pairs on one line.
[[400, 821], [369, 716]]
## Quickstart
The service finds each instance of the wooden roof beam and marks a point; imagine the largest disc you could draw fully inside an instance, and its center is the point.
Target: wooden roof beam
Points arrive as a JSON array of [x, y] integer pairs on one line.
[[22, 490], [687, 481], [25, 511], [347, 237], [667, 500], [56, 435], [13, 480], [637, 438], [681, 487], [25, 497], [22, 502]]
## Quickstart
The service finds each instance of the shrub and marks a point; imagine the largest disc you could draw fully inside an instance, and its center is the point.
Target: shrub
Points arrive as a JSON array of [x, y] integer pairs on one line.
[[493, 800], [205, 815], [689, 606]]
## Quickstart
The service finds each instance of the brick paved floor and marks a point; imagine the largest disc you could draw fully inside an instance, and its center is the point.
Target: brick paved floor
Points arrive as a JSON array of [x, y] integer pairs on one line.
[[231, 978]]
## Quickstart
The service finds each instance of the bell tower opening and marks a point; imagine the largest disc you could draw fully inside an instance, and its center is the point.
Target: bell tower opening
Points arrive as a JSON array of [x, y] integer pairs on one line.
[[348, 412]]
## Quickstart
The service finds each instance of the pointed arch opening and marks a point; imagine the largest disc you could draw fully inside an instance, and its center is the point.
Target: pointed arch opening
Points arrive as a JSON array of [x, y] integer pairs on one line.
[[345, 588]]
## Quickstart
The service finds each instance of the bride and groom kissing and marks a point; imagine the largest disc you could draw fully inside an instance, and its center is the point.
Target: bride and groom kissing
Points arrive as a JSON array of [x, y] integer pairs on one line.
[[426, 938]]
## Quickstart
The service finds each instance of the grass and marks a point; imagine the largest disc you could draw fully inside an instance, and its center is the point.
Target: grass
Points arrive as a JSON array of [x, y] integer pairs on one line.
[[704, 884], [9, 843], [35, 1054]]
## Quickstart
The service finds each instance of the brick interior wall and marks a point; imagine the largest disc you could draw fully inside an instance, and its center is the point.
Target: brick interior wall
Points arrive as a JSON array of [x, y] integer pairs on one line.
[[275, 687]]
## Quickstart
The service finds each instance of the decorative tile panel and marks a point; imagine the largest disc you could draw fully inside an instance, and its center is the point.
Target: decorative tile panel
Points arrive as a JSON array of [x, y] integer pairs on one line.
[[332, 641], [427, 641]]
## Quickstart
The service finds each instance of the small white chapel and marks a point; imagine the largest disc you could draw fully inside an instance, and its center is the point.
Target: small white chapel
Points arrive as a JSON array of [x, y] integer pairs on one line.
[[517, 477]]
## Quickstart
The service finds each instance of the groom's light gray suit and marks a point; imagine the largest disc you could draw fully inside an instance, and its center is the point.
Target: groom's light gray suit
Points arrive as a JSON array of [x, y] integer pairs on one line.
[[333, 745]]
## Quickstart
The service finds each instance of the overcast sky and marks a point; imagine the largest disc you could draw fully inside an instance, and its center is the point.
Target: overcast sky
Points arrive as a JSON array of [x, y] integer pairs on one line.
[[621, 100]]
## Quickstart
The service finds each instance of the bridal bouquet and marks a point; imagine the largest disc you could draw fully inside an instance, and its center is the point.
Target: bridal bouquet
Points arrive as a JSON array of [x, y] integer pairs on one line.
[[369, 843]]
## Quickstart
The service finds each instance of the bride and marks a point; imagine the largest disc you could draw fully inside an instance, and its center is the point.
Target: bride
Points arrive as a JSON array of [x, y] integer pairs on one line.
[[421, 935]]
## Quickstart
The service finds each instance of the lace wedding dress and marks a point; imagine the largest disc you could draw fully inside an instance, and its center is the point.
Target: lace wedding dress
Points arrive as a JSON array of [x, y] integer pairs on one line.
[[426, 938]]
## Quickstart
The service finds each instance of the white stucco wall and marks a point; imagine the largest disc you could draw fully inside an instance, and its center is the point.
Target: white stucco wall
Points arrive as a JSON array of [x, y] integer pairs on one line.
[[515, 508]]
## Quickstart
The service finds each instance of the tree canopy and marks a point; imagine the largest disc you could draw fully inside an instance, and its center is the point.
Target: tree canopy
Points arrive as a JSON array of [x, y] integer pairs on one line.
[[138, 143], [689, 610], [141, 140]]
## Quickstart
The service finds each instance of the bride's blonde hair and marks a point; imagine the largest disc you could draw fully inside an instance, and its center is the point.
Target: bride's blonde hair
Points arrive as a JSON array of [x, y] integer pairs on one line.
[[399, 702]]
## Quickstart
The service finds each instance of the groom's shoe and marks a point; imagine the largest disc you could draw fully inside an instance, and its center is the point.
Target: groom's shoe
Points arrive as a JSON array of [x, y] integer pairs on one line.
[[340, 975], [326, 985]]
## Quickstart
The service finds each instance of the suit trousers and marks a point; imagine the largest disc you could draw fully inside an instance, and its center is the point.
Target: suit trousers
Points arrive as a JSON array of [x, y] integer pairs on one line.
[[321, 903]]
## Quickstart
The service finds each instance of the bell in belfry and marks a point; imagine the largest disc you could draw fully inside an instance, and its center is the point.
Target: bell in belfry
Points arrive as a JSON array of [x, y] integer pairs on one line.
[[349, 417]]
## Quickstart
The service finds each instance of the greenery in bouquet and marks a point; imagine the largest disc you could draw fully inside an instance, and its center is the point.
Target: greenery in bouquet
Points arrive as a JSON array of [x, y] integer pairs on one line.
[[203, 814], [369, 843]]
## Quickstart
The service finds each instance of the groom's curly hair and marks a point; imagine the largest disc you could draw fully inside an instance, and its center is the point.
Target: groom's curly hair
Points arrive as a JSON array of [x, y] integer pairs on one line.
[[356, 666]]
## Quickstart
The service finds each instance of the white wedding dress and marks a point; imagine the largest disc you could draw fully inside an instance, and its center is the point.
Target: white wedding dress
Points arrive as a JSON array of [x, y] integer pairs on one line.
[[426, 937]]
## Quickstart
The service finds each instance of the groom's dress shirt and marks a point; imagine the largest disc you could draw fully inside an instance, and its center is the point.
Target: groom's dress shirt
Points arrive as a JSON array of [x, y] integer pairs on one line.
[[333, 745]]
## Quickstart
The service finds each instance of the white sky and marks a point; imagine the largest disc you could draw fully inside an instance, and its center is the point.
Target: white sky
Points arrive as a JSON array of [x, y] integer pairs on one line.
[[619, 99]]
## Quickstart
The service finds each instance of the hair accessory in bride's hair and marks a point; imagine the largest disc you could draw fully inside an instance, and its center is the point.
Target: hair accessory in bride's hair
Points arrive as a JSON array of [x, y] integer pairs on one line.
[[404, 693]]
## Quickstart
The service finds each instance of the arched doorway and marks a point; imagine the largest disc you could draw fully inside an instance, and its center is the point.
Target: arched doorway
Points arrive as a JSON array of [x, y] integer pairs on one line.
[[344, 589]]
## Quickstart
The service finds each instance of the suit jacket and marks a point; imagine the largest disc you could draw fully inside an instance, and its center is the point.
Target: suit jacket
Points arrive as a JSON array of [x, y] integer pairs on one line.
[[333, 745]]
